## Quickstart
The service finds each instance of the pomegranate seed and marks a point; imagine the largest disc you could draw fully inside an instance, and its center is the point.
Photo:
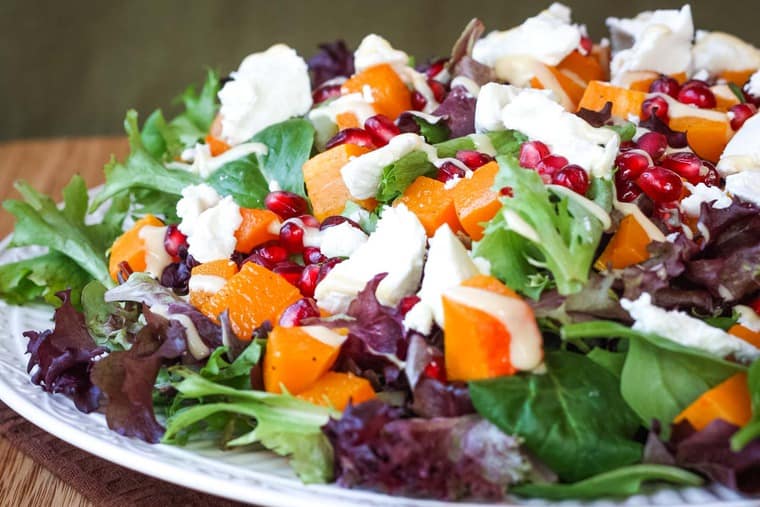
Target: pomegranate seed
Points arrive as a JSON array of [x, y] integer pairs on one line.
[[418, 101], [439, 91], [174, 240], [381, 129], [289, 270], [531, 153], [550, 165], [309, 221], [669, 214], [325, 92], [286, 204], [653, 143], [685, 164], [665, 84], [407, 303], [626, 190], [586, 45], [327, 266], [449, 171], [473, 159], [435, 68], [308, 281], [294, 314], [357, 136], [506, 192], [630, 164], [269, 254], [755, 305], [435, 369], [698, 93], [741, 113], [334, 220], [573, 177], [660, 184], [291, 237], [709, 174], [656, 106], [313, 255], [628, 145]]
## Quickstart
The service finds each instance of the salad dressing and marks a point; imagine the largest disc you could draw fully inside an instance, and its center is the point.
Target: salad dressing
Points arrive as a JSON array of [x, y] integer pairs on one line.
[[195, 344], [156, 258]]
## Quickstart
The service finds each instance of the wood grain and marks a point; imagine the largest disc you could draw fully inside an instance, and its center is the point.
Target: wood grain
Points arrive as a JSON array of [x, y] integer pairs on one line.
[[47, 165]]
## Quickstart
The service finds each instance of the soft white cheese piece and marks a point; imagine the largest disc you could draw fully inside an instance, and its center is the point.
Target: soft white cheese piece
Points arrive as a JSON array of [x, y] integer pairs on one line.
[[209, 222], [658, 41], [742, 153], [342, 240], [447, 265], [716, 52], [268, 87], [745, 185], [753, 86], [534, 114], [397, 247], [748, 318], [195, 200], [700, 193], [204, 165], [156, 257], [686, 330], [362, 174], [491, 100], [548, 37], [324, 117], [374, 50]]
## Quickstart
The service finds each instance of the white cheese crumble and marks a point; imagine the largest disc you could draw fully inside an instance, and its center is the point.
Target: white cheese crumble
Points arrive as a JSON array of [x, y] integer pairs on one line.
[[658, 41], [753, 86], [342, 240], [268, 87], [209, 222], [447, 265], [716, 52], [742, 153], [547, 37], [491, 100], [195, 200], [685, 330], [748, 318], [700, 193], [204, 165], [397, 247], [745, 185], [374, 50]]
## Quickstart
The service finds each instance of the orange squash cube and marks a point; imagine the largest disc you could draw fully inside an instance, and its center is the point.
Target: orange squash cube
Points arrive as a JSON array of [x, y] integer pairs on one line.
[[432, 203]]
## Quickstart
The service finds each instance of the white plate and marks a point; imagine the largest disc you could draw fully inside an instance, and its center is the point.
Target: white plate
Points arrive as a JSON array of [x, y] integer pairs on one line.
[[256, 477]]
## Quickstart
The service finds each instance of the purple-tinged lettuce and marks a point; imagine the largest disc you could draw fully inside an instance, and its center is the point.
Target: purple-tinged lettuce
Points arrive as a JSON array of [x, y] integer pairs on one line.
[[333, 59], [458, 109]]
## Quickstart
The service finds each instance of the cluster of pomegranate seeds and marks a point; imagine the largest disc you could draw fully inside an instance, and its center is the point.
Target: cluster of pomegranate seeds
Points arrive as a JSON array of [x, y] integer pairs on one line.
[[305, 308], [286, 204], [473, 159], [351, 135], [325, 92], [174, 241], [740, 113], [665, 84], [691, 168], [449, 171], [694, 92], [554, 169], [381, 129]]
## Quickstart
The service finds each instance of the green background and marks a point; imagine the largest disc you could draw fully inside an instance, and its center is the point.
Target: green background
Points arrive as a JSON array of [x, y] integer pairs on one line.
[[73, 67]]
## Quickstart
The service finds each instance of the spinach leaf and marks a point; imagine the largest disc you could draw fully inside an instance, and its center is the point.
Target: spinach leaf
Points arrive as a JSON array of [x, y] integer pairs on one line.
[[572, 418], [432, 132], [401, 173], [289, 144], [621, 482], [611, 361], [751, 431], [243, 180]]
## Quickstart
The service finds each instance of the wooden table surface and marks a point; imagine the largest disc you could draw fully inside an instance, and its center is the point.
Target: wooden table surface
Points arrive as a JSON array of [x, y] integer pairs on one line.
[[47, 165]]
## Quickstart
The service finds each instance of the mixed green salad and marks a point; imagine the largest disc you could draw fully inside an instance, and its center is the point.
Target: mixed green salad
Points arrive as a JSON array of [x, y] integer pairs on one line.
[[531, 267]]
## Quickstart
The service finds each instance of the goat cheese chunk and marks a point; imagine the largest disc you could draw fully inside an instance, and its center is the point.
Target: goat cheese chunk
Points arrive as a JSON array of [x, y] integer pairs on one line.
[[209, 222], [742, 153], [717, 52], [268, 87], [374, 50]]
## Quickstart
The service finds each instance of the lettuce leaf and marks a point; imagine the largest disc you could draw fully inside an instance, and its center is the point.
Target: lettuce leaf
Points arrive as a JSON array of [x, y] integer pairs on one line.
[[42, 277], [290, 143], [194, 123]]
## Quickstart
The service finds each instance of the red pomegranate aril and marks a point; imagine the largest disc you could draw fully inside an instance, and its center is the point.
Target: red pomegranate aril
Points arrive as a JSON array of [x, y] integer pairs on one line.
[[439, 91], [741, 113], [709, 174], [665, 84], [506, 192], [449, 171], [435, 68], [357, 136], [531, 153], [325, 92], [334, 220], [573, 177], [289, 270], [174, 240], [586, 45], [686, 164], [656, 106], [698, 93], [291, 237], [630, 164], [755, 304], [407, 303], [271, 253], [286, 204], [327, 266], [473, 159], [309, 221], [294, 314], [660, 184], [669, 214], [628, 145], [626, 190], [418, 101], [381, 129], [313, 255], [435, 369], [653, 143], [308, 280], [550, 165]]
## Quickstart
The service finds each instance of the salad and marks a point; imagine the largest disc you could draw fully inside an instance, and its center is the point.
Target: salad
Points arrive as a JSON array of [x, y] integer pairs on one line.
[[530, 267]]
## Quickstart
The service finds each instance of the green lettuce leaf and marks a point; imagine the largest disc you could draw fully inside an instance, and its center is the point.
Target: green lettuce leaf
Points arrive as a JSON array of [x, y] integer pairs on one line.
[[41, 277], [290, 143], [237, 373], [194, 123]]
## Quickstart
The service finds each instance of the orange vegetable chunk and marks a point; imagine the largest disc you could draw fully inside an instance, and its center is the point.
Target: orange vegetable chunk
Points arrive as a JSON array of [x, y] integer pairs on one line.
[[337, 389], [567, 89], [390, 95], [216, 145], [738, 77], [746, 334], [324, 184], [624, 102], [432, 203], [221, 268], [708, 138], [130, 248], [729, 400], [258, 227], [478, 341], [628, 246], [295, 359], [347, 120], [253, 296], [475, 201], [587, 68]]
